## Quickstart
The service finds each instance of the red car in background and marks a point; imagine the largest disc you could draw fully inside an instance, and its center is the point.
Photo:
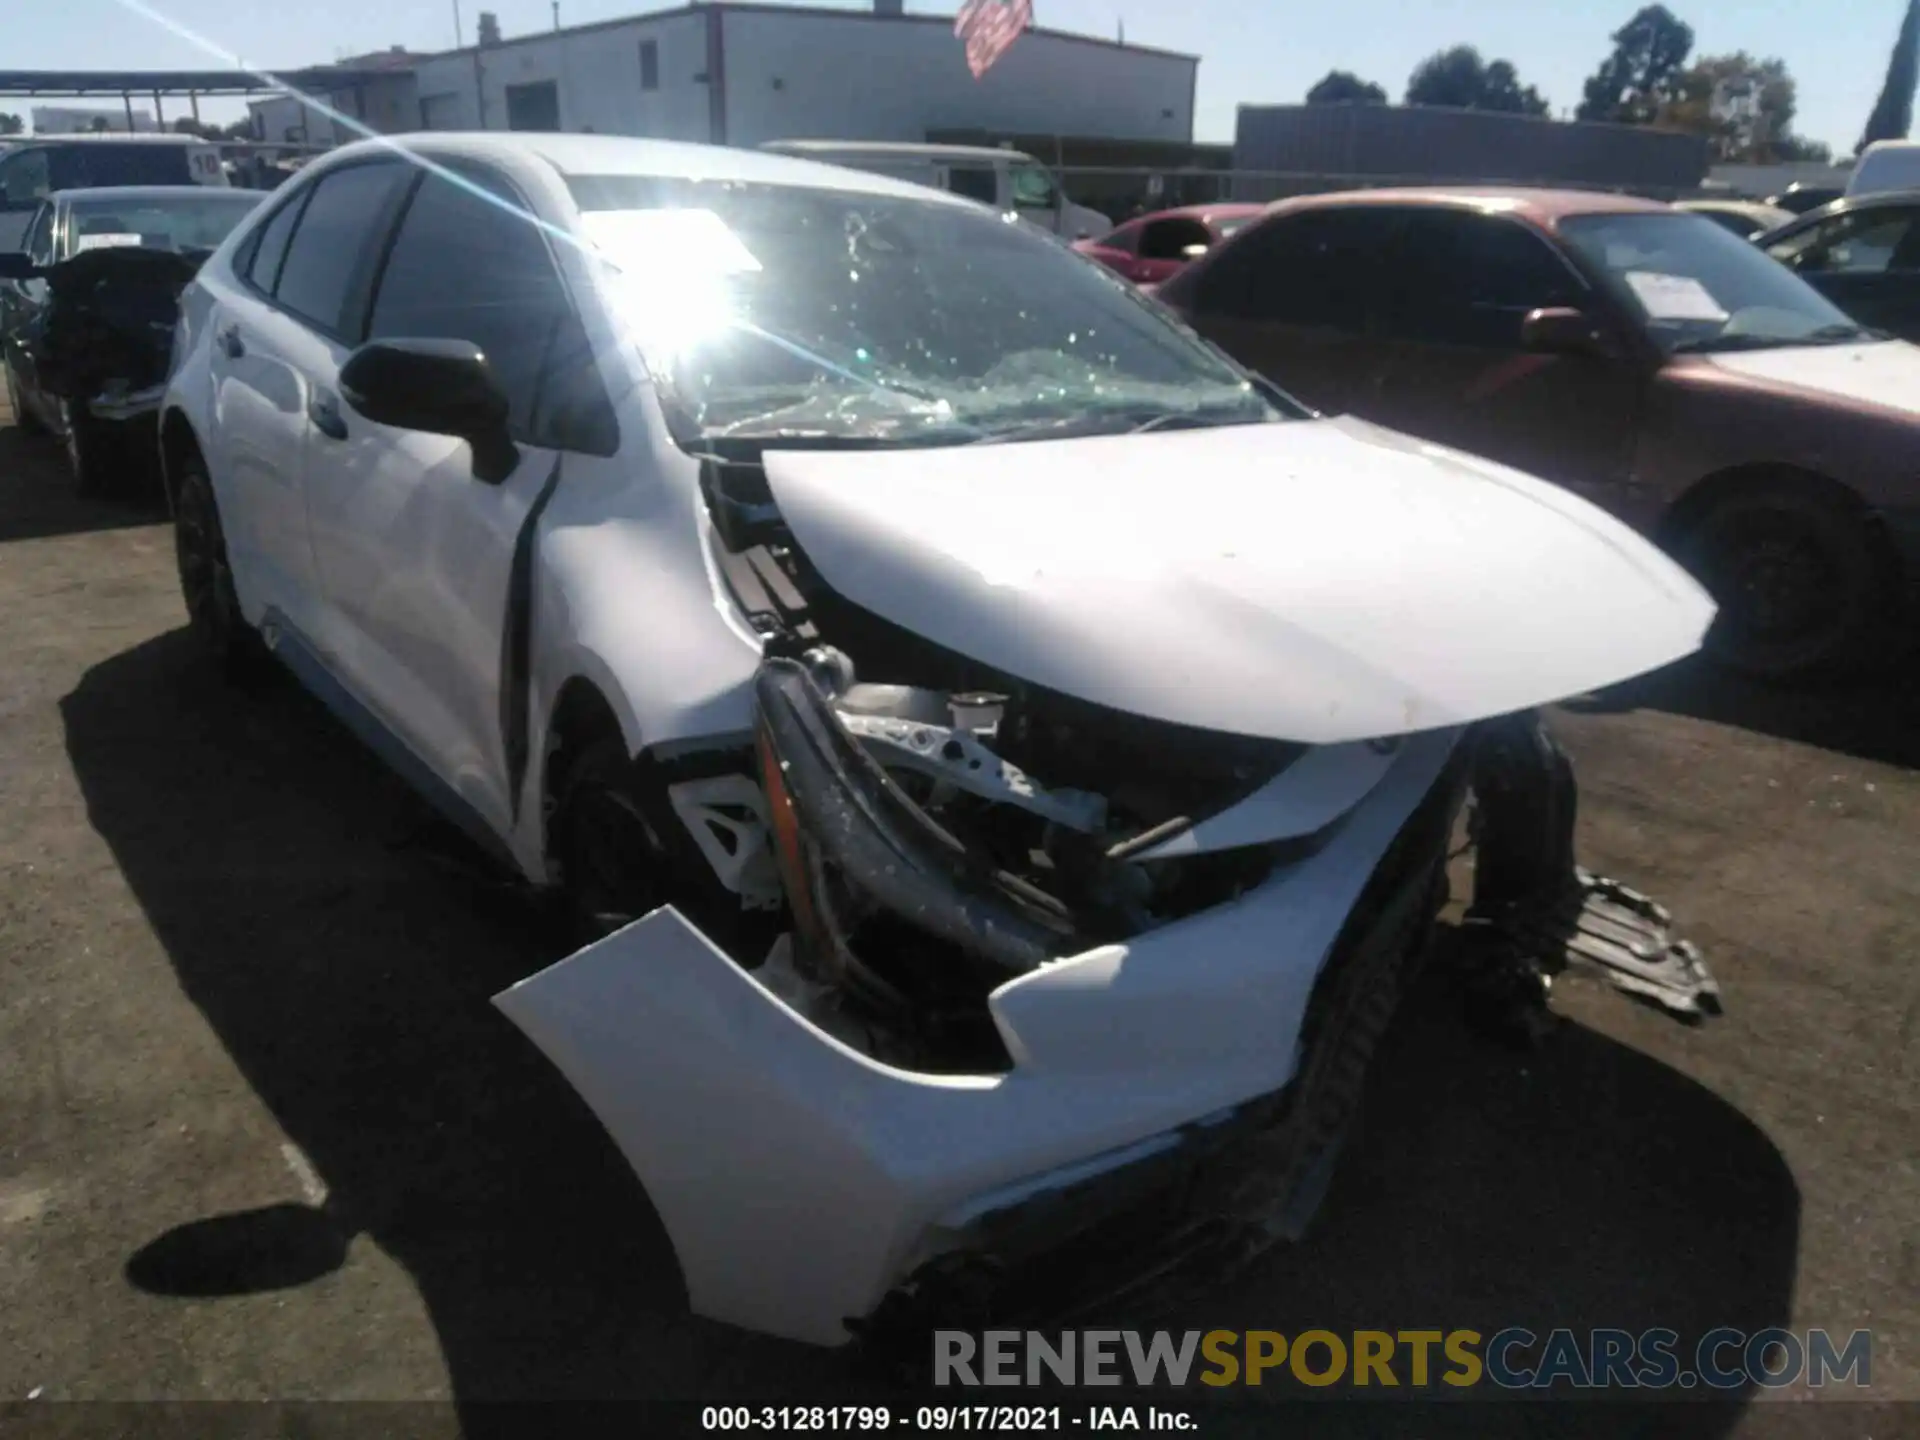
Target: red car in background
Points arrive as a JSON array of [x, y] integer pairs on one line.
[[1151, 248]]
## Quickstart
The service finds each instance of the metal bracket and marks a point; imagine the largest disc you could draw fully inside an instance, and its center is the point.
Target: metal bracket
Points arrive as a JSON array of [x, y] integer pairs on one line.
[[958, 759]]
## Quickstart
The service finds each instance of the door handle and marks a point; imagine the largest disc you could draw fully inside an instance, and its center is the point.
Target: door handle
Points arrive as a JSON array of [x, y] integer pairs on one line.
[[324, 411], [230, 342]]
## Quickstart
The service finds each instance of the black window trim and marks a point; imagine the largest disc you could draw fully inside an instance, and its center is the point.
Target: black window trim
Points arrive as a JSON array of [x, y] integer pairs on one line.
[[357, 295], [486, 174]]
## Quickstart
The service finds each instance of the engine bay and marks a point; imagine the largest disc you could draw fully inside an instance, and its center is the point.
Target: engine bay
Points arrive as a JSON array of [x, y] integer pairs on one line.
[[936, 828]]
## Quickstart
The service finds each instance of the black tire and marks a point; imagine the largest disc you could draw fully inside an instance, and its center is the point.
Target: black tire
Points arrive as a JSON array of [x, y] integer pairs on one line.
[[1804, 584], [24, 415], [206, 578], [96, 454], [609, 859]]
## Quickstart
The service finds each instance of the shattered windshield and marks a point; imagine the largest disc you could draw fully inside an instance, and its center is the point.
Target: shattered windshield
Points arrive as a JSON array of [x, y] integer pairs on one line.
[[788, 311], [177, 223], [1697, 287]]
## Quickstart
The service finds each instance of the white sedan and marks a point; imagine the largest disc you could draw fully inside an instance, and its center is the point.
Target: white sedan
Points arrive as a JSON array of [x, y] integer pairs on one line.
[[1000, 755]]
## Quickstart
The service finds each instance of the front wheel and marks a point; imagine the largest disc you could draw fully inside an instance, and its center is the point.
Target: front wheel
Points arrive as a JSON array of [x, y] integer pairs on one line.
[[24, 415], [96, 453], [1802, 583], [206, 577], [609, 858]]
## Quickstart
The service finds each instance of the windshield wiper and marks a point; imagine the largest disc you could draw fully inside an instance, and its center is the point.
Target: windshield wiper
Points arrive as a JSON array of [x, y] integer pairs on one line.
[[1839, 333]]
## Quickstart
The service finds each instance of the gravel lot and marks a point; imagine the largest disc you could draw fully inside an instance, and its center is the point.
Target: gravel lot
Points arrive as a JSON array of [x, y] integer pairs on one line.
[[242, 970]]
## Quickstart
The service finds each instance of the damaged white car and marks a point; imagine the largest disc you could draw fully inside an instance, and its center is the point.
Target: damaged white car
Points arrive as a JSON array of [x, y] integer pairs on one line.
[[1003, 758]]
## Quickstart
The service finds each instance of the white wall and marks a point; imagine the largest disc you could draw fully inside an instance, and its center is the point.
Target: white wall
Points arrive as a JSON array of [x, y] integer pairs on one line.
[[855, 77], [597, 70]]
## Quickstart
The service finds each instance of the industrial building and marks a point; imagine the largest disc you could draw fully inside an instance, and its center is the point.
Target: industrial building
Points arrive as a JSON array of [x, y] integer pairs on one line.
[[1286, 149], [741, 74]]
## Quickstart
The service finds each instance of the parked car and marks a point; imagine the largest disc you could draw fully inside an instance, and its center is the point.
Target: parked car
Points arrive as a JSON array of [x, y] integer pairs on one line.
[[34, 168], [1149, 248], [1745, 218], [1641, 357], [1802, 196], [87, 311], [1885, 165], [1861, 253], [975, 725], [1005, 179]]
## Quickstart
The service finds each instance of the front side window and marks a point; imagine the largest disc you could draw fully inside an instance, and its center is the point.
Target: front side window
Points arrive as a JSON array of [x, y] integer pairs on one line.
[[465, 266], [1318, 268], [1866, 242], [1694, 287], [1470, 280], [1033, 188], [331, 246], [25, 178], [779, 310]]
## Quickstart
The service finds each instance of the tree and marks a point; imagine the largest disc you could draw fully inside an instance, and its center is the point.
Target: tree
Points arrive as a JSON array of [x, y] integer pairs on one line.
[[1461, 80], [1339, 87], [11, 124], [1892, 113], [1742, 105], [1637, 79]]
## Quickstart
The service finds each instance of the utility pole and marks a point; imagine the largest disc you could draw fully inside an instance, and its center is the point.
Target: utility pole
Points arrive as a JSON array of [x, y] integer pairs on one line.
[[556, 14], [458, 43]]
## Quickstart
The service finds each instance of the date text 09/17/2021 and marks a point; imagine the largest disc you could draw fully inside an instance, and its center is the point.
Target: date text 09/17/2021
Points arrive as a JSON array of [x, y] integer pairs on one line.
[[936, 1419]]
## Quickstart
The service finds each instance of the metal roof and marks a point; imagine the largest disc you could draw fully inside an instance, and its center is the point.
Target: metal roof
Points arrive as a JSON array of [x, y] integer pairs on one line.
[[182, 82]]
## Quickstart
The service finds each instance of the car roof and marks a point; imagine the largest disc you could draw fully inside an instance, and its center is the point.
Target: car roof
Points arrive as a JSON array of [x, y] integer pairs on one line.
[[1225, 210], [111, 137], [130, 193], [1542, 206], [901, 149], [621, 155], [1846, 205]]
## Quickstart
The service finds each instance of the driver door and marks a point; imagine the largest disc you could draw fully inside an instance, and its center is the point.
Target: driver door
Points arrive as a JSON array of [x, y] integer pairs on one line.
[[416, 556]]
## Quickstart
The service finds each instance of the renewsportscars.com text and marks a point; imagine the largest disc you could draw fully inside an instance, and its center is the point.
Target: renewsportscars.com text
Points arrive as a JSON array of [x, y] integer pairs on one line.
[[1514, 1358]]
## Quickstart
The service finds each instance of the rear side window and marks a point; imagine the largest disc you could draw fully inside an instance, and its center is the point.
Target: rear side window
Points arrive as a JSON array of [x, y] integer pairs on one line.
[[975, 182], [93, 165], [1320, 268], [270, 247], [464, 267], [344, 222]]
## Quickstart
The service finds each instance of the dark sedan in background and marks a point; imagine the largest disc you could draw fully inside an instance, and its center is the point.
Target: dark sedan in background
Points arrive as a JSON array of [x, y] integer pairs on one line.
[[1861, 253], [87, 310], [1151, 248], [1642, 357]]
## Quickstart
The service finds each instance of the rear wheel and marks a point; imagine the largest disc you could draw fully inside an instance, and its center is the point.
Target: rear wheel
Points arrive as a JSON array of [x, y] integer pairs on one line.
[[95, 452], [1802, 582], [609, 860], [206, 578]]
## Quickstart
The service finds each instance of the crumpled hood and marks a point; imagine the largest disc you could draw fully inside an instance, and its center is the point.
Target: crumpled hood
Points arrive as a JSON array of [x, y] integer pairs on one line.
[[1317, 581], [1885, 373]]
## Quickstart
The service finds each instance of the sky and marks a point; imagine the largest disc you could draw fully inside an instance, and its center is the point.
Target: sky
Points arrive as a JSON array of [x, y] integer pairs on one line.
[[1252, 51]]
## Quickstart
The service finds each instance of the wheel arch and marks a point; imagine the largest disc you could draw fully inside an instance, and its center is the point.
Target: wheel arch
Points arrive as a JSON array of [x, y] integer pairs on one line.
[[580, 714], [1686, 512]]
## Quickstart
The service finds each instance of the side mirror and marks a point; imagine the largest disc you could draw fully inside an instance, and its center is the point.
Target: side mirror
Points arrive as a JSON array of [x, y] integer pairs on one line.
[[16, 265], [1565, 332], [440, 387]]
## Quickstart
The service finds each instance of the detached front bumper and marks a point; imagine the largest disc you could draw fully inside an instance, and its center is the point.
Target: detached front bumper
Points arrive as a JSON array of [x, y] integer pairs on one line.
[[801, 1181]]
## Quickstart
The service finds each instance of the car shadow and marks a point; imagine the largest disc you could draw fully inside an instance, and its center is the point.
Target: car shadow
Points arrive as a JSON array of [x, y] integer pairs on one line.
[[37, 499], [343, 946], [1874, 715]]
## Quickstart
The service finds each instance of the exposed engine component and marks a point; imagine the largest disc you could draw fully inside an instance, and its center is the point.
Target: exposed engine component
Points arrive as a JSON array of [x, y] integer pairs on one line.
[[958, 760]]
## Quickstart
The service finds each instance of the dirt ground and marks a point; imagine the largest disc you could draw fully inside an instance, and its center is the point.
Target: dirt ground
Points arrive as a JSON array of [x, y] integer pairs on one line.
[[243, 973]]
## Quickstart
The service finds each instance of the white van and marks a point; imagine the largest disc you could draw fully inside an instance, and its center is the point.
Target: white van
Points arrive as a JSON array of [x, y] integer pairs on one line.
[[1004, 179], [33, 167], [1886, 165]]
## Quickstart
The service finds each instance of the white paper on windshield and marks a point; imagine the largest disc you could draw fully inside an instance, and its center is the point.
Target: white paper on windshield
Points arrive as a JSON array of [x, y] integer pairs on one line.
[[104, 242], [678, 241], [1674, 297]]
